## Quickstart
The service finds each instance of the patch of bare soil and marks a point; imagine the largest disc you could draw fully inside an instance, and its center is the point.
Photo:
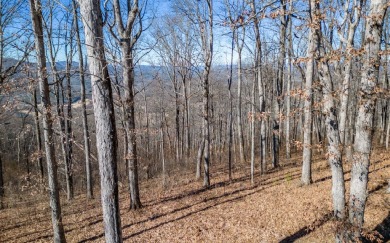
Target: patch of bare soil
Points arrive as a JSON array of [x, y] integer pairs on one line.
[[275, 209]]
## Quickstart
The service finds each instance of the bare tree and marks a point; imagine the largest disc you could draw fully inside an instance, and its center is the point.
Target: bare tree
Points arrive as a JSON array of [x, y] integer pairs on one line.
[[365, 116], [308, 93], [36, 17], [334, 149], [278, 84], [87, 150], [104, 118], [128, 35], [261, 86], [351, 19]]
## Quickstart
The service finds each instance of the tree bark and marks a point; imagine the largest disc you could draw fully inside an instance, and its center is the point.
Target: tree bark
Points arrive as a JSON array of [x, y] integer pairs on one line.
[[87, 148], [308, 94], [106, 136], [348, 68], [127, 43], [334, 152], [278, 86], [36, 17], [365, 116], [38, 134], [261, 88]]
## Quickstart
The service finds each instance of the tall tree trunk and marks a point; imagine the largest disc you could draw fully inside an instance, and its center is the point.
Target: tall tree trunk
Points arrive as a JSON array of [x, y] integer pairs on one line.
[[38, 134], [68, 121], [206, 37], [252, 124], [334, 149], [127, 42], [288, 85], [36, 17], [308, 94], [87, 150], [239, 102], [128, 82], [278, 86], [106, 135], [261, 87], [365, 116], [344, 94]]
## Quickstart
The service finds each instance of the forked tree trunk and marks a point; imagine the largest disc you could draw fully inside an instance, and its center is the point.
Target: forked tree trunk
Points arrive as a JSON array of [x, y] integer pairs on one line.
[[365, 116], [345, 86], [106, 136], [308, 94], [36, 17], [127, 42]]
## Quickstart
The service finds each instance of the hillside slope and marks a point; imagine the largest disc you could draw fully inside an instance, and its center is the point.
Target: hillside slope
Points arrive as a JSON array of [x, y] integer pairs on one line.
[[274, 209]]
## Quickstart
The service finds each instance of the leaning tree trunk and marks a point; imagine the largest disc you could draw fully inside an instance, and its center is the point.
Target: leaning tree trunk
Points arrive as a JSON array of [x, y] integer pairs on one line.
[[106, 136], [308, 94], [365, 116], [87, 148], [36, 17]]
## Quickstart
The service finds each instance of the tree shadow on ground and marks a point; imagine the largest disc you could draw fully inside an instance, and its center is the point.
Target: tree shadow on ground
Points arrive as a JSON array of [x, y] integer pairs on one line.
[[224, 198], [307, 229], [383, 229]]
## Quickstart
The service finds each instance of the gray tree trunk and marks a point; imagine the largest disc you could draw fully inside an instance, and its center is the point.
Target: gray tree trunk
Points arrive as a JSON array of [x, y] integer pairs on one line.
[[365, 116], [288, 85], [344, 94], [261, 87], [68, 120], [334, 151], [38, 134], [106, 137], [206, 36], [252, 124], [240, 135], [199, 159], [308, 94], [278, 86], [87, 149], [127, 42], [36, 17]]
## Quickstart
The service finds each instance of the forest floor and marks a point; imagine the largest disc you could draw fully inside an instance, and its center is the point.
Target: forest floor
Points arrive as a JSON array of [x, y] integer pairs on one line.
[[275, 209]]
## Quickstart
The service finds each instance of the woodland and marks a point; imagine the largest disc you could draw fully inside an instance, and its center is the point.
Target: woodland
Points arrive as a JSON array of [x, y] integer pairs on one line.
[[194, 121]]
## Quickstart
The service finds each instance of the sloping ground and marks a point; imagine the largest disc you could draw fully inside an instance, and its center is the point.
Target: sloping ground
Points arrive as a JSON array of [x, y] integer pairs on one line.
[[274, 209]]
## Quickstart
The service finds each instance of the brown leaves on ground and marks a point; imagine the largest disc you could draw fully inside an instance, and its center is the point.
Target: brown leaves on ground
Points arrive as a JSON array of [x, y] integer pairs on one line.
[[274, 209]]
